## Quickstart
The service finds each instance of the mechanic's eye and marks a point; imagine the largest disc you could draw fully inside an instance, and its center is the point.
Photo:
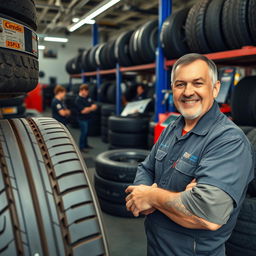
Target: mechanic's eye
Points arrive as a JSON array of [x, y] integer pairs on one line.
[[180, 85]]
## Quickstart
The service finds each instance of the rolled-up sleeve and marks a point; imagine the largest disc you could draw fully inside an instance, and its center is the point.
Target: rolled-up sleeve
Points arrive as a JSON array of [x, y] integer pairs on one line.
[[228, 164], [208, 202]]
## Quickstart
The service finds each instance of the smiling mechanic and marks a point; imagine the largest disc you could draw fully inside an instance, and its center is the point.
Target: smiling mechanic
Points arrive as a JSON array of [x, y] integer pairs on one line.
[[193, 182]]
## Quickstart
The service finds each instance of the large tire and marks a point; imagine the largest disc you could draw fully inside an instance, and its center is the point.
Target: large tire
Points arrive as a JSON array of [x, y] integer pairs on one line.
[[173, 35], [252, 19], [128, 124], [15, 101], [128, 139], [47, 205], [228, 21], [251, 135], [18, 71], [118, 210], [195, 29], [22, 10], [133, 48], [147, 41], [241, 26], [213, 26], [244, 102], [110, 190], [243, 239], [119, 165], [111, 94], [108, 110], [122, 53], [103, 91]]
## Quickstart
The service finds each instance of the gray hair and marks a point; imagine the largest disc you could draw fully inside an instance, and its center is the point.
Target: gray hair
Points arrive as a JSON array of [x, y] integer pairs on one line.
[[191, 57]]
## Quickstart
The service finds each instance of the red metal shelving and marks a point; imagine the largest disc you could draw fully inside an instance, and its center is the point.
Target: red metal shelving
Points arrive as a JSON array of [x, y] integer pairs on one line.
[[245, 56]]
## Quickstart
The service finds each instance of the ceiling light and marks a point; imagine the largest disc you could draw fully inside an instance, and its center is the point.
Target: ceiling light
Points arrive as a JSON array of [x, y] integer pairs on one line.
[[41, 47], [56, 39], [75, 20], [94, 13]]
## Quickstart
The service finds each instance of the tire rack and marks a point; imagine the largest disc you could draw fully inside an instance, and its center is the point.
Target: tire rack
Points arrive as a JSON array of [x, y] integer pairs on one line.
[[239, 57]]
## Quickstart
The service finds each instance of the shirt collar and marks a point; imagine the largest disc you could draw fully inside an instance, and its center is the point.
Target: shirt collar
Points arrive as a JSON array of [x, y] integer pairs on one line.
[[204, 124]]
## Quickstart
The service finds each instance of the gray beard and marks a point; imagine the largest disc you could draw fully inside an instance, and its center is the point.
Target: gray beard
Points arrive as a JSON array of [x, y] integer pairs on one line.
[[191, 117]]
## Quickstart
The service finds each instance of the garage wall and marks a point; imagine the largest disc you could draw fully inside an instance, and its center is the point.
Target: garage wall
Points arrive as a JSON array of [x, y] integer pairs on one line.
[[56, 67]]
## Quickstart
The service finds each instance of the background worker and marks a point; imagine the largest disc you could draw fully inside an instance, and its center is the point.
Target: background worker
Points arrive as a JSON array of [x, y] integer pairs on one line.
[[140, 92], [194, 181], [85, 108], [59, 110]]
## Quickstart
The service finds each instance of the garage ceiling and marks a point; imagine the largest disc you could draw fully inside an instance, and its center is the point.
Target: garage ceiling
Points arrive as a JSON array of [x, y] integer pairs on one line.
[[54, 16]]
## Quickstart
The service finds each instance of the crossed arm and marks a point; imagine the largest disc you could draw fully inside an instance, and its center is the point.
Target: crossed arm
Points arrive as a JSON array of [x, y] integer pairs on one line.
[[87, 110], [146, 199], [64, 112]]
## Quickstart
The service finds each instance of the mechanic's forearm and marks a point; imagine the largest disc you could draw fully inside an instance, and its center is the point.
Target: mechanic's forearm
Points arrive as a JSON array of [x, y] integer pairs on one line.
[[170, 204]]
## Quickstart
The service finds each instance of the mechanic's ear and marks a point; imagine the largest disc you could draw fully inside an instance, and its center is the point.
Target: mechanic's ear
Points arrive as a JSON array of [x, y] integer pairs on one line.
[[216, 89]]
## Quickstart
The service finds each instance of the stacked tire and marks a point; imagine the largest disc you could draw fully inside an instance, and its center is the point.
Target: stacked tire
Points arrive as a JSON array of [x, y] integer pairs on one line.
[[209, 26], [12, 107], [130, 48], [128, 132], [151, 134], [243, 102], [106, 111], [19, 69], [115, 171], [243, 238], [47, 205]]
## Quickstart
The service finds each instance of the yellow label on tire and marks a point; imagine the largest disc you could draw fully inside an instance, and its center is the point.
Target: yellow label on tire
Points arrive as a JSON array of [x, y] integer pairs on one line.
[[12, 36], [9, 110]]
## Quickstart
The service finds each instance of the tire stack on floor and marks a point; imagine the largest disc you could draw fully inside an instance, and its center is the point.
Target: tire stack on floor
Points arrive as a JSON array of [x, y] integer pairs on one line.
[[115, 171], [243, 238], [13, 107], [128, 132], [106, 111]]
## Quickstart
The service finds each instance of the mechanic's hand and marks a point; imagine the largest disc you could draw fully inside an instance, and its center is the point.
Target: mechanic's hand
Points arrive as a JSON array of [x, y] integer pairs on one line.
[[191, 185], [138, 201]]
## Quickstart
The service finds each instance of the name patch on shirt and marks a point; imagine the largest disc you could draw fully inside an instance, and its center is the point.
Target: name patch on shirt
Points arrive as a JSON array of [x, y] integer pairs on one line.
[[191, 157]]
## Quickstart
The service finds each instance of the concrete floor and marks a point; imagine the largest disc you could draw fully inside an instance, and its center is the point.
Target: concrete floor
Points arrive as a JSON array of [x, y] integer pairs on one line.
[[126, 237]]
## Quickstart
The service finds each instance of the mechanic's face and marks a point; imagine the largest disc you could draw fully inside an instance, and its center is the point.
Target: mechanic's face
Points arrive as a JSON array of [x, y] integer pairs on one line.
[[84, 93], [62, 95], [140, 90], [193, 92]]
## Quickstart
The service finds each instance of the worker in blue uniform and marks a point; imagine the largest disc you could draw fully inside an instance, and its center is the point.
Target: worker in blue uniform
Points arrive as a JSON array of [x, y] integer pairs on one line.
[[140, 92], [193, 182], [59, 109], [85, 108]]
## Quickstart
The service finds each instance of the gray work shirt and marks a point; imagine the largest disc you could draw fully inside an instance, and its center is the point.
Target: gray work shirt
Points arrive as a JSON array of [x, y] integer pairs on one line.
[[215, 152]]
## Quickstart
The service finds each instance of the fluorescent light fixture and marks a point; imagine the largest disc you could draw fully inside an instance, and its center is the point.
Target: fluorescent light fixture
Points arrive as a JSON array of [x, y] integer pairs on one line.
[[91, 15], [41, 47], [56, 39], [75, 20]]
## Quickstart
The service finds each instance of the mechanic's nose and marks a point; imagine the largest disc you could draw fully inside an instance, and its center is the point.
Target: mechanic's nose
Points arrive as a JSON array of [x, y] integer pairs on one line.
[[188, 90]]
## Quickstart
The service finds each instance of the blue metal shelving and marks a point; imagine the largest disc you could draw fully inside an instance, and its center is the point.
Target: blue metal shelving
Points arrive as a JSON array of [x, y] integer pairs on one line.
[[162, 75]]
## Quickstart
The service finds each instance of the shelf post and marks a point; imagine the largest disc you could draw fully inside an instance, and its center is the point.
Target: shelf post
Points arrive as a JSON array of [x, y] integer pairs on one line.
[[118, 90], [162, 75], [95, 34], [95, 40]]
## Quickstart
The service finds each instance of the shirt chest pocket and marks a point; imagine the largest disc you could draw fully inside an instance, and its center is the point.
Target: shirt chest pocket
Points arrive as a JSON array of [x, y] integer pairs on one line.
[[182, 175], [160, 164]]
